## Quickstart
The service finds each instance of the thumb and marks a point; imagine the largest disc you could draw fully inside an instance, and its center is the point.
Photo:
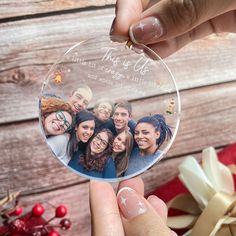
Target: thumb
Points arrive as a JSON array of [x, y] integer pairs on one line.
[[104, 210], [127, 12], [170, 18], [138, 216]]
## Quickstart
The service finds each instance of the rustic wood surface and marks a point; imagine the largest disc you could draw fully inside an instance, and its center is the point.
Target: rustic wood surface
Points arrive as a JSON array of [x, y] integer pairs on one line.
[[207, 119], [33, 35], [39, 42], [13, 8], [24, 74]]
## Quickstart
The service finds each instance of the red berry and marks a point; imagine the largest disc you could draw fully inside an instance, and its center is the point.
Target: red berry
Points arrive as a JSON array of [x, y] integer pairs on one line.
[[37, 210], [37, 232], [65, 224], [17, 226], [18, 211], [53, 233], [61, 211]]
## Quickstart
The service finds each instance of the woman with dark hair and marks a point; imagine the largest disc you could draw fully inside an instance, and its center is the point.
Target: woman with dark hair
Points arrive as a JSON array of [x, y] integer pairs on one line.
[[150, 134], [81, 133], [96, 161], [121, 150]]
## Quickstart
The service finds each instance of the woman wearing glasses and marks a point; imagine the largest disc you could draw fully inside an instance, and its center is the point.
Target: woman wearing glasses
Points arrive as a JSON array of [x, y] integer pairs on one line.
[[56, 122], [56, 116], [97, 161], [103, 109]]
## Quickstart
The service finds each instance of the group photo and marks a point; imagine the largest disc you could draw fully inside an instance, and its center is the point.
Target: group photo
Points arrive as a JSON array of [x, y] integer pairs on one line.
[[101, 141]]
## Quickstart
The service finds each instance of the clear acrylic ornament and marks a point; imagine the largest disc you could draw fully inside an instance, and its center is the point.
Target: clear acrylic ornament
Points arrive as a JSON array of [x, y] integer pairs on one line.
[[109, 109]]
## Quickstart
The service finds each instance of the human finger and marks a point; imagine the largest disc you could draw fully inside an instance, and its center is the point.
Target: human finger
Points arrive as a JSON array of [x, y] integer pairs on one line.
[[127, 12], [135, 183], [223, 23], [138, 216], [104, 210], [168, 19], [138, 185], [159, 206]]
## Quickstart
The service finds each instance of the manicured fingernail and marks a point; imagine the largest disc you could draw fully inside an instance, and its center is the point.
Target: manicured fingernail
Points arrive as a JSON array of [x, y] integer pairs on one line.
[[154, 200], [130, 203], [147, 30]]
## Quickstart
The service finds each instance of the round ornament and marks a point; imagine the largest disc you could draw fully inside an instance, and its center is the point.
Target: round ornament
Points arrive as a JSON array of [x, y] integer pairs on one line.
[[109, 108]]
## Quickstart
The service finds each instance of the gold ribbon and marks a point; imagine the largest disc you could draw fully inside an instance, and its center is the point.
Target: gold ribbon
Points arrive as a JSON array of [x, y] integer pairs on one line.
[[214, 215], [9, 198], [232, 169], [211, 209]]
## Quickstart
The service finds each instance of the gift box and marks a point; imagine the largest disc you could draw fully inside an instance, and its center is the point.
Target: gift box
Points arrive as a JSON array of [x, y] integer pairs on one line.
[[201, 200]]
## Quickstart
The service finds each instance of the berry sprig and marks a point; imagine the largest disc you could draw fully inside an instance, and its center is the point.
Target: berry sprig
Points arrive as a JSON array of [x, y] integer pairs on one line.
[[37, 210], [65, 224], [18, 211], [21, 226], [53, 233], [9, 206], [60, 212]]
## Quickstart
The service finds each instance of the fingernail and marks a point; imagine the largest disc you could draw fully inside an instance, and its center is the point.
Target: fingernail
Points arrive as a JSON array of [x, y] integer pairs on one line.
[[154, 199], [130, 203], [147, 30]]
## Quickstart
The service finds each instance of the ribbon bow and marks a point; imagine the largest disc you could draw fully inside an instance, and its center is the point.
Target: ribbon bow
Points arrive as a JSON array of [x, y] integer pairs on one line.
[[211, 210]]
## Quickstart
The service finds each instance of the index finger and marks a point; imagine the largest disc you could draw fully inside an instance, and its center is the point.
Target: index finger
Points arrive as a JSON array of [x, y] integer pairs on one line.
[[135, 183], [127, 12], [106, 219]]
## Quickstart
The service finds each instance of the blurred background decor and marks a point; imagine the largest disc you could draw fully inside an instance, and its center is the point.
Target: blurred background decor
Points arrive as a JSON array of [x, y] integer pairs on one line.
[[16, 220]]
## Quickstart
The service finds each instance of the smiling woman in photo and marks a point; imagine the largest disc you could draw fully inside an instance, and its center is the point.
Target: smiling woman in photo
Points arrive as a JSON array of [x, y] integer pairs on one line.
[[56, 115], [150, 133], [81, 133], [57, 122], [121, 150], [96, 161]]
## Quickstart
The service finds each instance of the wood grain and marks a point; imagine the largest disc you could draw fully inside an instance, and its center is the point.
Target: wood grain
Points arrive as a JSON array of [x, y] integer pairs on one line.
[[208, 119], [13, 8], [27, 163], [76, 198], [29, 47]]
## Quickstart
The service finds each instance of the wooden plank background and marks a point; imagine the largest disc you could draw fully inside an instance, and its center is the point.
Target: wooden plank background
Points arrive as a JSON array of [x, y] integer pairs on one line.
[[14, 8], [33, 35]]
